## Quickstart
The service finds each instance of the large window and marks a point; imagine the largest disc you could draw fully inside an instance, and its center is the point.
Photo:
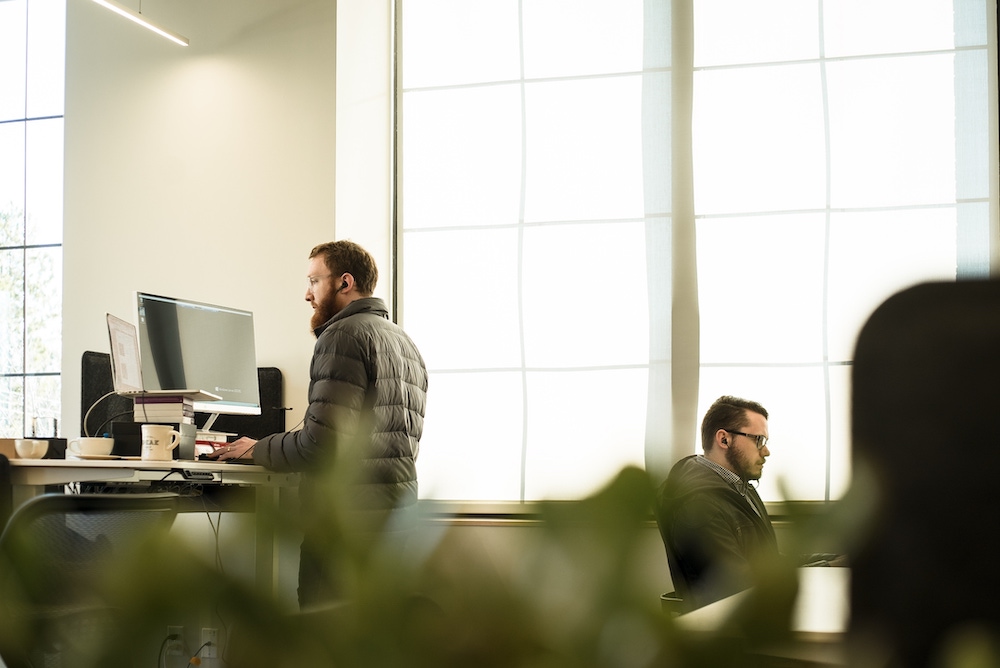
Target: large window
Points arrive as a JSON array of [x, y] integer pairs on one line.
[[570, 244], [32, 54]]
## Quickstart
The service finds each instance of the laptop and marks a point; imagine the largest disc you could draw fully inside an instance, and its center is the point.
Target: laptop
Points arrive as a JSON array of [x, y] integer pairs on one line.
[[126, 368]]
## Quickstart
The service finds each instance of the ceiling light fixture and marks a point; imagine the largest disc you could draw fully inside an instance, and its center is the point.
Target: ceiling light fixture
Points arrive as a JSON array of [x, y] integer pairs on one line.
[[137, 17]]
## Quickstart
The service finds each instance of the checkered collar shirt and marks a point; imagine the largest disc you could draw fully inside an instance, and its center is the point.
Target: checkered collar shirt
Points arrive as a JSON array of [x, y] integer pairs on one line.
[[737, 483]]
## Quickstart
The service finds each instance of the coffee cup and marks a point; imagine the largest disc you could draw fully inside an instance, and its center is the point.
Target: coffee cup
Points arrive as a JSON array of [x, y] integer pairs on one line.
[[31, 448], [91, 446], [158, 441]]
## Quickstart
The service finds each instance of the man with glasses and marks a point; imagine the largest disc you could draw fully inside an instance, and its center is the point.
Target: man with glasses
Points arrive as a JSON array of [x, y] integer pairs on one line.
[[362, 428], [715, 528]]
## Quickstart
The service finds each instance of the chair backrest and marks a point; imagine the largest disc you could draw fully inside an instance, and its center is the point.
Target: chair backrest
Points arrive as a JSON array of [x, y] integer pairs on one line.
[[6, 490], [925, 394], [672, 604], [55, 556]]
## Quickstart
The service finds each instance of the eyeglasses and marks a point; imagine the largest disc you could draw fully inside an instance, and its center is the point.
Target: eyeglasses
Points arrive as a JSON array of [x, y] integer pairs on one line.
[[313, 280], [759, 438]]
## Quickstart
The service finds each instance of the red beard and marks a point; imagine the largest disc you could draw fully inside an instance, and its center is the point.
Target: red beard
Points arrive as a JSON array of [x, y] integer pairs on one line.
[[324, 311]]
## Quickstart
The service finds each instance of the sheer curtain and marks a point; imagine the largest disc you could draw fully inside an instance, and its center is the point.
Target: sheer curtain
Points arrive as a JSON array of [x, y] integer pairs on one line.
[[612, 212], [840, 155]]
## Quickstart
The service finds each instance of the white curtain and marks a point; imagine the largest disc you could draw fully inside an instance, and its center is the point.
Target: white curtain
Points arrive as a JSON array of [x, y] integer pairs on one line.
[[612, 212]]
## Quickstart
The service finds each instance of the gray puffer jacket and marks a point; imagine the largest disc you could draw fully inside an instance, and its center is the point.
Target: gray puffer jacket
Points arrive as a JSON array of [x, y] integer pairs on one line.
[[367, 395]]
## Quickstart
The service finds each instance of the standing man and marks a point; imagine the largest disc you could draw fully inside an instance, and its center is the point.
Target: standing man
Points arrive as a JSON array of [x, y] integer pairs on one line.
[[714, 526], [361, 431]]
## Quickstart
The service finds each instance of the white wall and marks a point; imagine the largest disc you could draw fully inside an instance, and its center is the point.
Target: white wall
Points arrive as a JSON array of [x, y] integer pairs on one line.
[[210, 171], [204, 172]]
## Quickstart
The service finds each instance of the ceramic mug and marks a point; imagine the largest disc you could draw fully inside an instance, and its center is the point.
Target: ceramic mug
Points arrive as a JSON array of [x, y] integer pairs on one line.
[[158, 441], [31, 448], [91, 446]]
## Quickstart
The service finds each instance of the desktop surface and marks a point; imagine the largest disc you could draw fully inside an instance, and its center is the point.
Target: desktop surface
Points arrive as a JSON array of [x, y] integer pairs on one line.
[[819, 622], [29, 476], [821, 610], [254, 489], [113, 462]]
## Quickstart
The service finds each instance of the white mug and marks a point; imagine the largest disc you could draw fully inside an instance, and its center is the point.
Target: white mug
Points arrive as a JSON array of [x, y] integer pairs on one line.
[[31, 448], [158, 441], [91, 446]]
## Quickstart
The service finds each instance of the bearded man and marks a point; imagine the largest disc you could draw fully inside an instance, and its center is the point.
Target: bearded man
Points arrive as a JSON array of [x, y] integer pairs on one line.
[[714, 526], [367, 397]]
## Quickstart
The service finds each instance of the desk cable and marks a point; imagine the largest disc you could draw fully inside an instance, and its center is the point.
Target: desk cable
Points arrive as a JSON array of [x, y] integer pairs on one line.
[[92, 407]]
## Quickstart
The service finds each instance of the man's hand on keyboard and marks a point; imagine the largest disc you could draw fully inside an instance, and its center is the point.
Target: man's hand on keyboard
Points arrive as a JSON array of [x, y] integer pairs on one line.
[[241, 448]]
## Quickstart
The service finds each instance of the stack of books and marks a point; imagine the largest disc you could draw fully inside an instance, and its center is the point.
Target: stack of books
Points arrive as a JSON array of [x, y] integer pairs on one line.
[[206, 442], [164, 408]]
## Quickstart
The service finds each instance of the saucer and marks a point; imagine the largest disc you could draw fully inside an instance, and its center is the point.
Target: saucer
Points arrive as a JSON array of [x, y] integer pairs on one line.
[[76, 456]]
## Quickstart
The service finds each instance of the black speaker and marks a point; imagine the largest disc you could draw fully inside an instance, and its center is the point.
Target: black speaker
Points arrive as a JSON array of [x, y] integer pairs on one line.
[[272, 412], [98, 409]]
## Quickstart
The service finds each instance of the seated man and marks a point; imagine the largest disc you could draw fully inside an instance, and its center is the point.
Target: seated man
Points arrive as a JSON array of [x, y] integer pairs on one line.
[[715, 528]]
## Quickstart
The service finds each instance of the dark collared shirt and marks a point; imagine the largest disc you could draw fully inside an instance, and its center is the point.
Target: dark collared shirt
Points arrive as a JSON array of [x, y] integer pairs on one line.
[[740, 485]]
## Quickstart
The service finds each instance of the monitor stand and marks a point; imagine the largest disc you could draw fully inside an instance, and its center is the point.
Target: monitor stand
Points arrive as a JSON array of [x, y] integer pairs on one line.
[[209, 422], [206, 433], [207, 440]]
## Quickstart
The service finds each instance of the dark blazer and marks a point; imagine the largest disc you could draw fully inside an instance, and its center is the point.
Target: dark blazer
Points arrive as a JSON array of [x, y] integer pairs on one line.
[[715, 542]]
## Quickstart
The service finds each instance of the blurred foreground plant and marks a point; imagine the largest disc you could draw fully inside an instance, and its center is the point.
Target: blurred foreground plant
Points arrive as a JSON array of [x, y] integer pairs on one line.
[[575, 598]]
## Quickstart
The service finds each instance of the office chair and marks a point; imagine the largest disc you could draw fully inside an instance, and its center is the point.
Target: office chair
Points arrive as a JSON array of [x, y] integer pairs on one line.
[[925, 393], [6, 490], [55, 554], [671, 603]]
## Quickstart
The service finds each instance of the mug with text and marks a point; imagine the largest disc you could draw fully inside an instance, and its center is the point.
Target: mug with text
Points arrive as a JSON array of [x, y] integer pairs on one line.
[[158, 441], [90, 446]]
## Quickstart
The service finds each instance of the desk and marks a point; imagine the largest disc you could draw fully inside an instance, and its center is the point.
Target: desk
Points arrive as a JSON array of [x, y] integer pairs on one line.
[[819, 618], [29, 477]]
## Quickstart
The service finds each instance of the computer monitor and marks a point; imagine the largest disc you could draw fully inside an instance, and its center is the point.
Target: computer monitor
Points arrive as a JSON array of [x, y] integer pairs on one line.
[[186, 344]]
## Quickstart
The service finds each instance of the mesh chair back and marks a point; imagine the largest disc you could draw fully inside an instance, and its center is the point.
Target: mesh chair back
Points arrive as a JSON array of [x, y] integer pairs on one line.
[[57, 555]]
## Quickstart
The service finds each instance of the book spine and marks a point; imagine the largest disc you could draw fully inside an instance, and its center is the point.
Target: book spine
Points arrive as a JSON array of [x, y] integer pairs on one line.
[[178, 399], [176, 410], [214, 438], [164, 420], [161, 414], [209, 445]]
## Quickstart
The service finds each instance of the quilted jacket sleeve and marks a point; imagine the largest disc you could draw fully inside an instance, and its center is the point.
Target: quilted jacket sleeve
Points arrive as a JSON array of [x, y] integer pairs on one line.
[[337, 389]]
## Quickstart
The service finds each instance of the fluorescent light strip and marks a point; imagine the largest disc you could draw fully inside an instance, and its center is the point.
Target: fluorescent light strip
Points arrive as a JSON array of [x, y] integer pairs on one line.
[[143, 21]]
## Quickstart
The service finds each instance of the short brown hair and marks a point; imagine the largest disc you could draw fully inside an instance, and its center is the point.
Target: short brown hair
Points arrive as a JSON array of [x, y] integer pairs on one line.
[[727, 413], [346, 257]]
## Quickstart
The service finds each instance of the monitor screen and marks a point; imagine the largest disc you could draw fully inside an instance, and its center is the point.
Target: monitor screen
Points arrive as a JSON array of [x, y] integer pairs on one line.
[[190, 345]]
